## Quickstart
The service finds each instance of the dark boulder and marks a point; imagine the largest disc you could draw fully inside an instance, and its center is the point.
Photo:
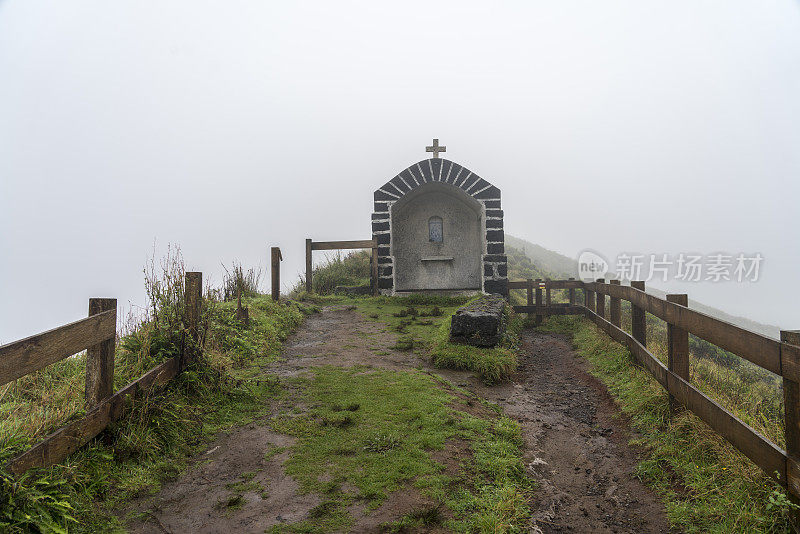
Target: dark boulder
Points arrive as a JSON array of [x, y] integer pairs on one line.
[[479, 323]]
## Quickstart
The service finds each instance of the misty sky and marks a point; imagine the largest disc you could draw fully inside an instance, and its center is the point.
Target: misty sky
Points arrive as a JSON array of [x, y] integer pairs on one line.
[[227, 127]]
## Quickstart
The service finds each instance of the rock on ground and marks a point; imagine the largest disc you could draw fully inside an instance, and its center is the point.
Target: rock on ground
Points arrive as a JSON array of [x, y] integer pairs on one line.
[[479, 323]]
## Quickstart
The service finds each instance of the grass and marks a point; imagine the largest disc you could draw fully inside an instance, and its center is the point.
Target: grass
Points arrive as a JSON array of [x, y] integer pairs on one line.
[[492, 364], [376, 431], [351, 269], [369, 433], [423, 325], [706, 484], [226, 388]]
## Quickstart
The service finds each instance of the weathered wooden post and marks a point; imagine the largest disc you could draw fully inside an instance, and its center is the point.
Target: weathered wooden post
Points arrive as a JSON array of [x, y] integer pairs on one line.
[[193, 300], [678, 349], [572, 294], [375, 270], [615, 307], [547, 300], [791, 402], [588, 296], [309, 286], [276, 258], [638, 323], [100, 359], [529, 289], [601, 299], [538, 301]]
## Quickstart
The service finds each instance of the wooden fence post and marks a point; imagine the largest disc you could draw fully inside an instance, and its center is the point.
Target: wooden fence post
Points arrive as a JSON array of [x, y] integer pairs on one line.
[[791, 402], [529, 289], [547, 300], [375, 270], [100, 359], [615, 307], [276, 272], [538, 301], [193, 300], [309, 265], [588, 296], [601, 300], [678, 349], [572, 295], [638, 323]]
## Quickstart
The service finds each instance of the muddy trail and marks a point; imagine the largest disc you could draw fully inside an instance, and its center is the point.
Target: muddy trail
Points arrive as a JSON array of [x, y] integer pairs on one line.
[[576, 445]]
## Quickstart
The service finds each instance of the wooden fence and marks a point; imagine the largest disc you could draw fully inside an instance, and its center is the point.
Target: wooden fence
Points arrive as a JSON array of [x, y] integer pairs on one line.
[[780, 357], [97, 335], [276, 259], [342, 245]]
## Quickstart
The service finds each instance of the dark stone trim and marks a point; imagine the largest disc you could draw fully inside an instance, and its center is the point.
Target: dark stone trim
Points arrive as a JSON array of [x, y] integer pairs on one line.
[[480, 184], [469, 182], [502, 269], [496, 258], [495, 248], [398, 183], [436, 166], [384, 270], [492, 204], [496, 286], [378, 226], [385, 260], [494, 235], [425, 168], [447, 165], [381, 207], [409, 178], [494, 213], [380, 216], [488, 270], [492, 192], [489, 224], [380, 195], [385, 283], [383, 239], [456, 173], [384, 250]]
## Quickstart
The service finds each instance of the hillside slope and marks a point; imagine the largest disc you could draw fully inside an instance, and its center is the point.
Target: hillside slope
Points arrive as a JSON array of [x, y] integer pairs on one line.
[[551, 264]]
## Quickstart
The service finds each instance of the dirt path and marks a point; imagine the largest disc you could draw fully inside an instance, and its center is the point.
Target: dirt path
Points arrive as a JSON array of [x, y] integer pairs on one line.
[[577, 444], [576, 450]]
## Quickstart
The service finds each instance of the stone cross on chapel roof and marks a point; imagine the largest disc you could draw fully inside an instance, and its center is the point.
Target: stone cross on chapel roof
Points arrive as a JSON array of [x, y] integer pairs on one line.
[[435, 148]]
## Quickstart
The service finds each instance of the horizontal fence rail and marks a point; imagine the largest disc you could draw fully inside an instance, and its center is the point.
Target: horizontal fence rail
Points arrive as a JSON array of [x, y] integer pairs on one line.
[[27, 355], [758, 349], [536, 306], [97, 335], [780, 357]]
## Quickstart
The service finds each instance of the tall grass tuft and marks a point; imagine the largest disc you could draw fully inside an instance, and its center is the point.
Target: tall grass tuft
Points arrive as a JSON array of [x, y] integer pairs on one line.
[[238, 280], [351, 269]]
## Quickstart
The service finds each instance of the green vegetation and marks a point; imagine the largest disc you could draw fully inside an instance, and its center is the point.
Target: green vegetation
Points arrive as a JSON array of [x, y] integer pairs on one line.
[[492, 364], [719, 490], [746, 390], [370, 432], [351, 269], [150, 445], [707, 485], [423, 322]]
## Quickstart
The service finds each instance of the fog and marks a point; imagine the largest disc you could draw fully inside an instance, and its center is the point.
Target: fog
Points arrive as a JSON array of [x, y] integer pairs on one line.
[[229, 127]]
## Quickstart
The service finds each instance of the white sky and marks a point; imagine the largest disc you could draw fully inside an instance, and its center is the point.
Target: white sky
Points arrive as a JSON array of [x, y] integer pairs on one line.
[[227, 127]]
